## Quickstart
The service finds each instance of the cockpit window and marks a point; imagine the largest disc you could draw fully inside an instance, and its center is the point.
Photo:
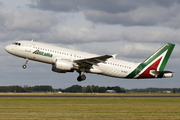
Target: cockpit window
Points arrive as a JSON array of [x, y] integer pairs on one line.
[[16, 43]]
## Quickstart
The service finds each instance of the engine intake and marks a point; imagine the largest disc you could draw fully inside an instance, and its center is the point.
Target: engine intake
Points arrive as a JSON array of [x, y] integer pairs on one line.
[[62, 66]]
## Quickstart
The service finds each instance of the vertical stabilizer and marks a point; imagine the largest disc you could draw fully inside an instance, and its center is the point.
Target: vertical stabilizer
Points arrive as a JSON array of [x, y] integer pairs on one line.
[[156, 62]]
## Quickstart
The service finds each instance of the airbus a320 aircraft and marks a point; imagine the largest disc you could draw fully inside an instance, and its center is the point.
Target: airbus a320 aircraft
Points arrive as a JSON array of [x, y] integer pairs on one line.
[[66, 60]]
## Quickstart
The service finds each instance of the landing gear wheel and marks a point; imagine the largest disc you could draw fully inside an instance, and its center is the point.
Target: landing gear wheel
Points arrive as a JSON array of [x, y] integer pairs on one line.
[[81, 78], [24, 66]]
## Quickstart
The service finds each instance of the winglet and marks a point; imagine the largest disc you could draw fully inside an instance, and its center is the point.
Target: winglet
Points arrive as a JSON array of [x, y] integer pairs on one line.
[[114, 56]]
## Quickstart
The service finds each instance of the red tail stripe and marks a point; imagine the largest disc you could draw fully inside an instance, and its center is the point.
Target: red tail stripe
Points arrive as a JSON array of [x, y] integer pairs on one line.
[[154, 66]]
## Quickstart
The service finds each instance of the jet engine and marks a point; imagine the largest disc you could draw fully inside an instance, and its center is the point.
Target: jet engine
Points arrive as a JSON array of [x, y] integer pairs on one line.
[[62, 66]]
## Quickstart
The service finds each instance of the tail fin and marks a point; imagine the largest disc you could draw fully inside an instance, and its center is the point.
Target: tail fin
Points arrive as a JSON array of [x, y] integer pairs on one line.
[[156, 62], [162, 55]]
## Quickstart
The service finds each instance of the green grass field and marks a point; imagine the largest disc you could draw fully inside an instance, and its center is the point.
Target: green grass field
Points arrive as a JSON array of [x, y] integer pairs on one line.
[[89, 108]]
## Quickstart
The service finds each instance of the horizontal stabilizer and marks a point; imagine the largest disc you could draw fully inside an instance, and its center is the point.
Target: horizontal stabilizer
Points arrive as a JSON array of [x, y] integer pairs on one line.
[[162, 74]]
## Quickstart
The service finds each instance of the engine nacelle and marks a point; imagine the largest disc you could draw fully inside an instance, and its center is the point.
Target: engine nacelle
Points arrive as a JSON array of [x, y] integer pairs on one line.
[[62, 66]]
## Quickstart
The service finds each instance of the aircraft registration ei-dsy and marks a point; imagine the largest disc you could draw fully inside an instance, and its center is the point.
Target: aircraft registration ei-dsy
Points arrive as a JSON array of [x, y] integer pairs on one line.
[[66, 60]]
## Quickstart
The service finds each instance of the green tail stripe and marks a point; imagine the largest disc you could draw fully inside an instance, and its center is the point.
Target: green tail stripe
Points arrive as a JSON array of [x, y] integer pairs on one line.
[[169, 47], [168, 54]]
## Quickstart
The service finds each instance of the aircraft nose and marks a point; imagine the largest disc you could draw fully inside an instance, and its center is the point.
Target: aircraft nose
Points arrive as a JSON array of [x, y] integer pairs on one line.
[[8, 48]]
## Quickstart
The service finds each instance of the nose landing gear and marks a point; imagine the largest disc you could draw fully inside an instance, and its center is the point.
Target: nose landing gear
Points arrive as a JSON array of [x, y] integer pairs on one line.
[[24, 66]]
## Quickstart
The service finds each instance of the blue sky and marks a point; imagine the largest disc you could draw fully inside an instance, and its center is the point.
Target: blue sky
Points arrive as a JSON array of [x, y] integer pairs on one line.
[[133, 29]]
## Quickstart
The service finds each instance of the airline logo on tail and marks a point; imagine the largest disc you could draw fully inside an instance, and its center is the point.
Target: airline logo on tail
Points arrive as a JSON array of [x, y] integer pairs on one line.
[[154, 65]]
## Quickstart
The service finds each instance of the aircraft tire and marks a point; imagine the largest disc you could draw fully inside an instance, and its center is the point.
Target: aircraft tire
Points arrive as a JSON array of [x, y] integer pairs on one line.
[[79, 79], [24, 66], [83, 77]]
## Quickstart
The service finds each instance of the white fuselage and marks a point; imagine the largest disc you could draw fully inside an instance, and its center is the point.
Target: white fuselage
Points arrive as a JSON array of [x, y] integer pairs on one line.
[[49, 53]]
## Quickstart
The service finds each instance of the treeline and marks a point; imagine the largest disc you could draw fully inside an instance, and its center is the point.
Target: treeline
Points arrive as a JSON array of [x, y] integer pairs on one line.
[[85, 89], [72, 89], [154, 90], [45, 88], [92, 89]]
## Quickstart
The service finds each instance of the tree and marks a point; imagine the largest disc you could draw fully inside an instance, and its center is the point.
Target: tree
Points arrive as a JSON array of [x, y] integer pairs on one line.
[[74, 88], [118, 89], [174, 90], [88, 89]]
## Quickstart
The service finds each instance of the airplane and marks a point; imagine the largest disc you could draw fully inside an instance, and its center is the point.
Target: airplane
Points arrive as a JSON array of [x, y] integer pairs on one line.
[[66, 60]]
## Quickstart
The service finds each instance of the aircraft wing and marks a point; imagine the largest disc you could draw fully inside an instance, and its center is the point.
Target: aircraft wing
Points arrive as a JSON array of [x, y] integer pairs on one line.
[[93, 60]]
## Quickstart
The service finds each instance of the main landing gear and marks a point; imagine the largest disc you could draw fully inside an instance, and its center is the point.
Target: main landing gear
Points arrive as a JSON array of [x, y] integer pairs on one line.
[[81, 77], [24, 66]]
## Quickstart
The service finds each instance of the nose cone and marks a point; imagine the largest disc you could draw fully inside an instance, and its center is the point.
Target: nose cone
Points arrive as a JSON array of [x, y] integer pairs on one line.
[[11, 49], [8, 48]]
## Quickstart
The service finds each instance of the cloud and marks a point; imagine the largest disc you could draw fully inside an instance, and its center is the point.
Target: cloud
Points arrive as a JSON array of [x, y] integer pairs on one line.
[[113, 6], [134, 51], [143, 16], [28, 21], [151, 36], [17, 23], [126, 13], [49, 27], [44, 26], [1, 4], [67, 34], [56, 5]]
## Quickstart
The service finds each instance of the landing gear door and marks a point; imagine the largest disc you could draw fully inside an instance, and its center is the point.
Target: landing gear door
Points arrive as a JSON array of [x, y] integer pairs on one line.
[[28, 47]]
